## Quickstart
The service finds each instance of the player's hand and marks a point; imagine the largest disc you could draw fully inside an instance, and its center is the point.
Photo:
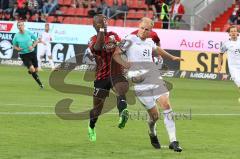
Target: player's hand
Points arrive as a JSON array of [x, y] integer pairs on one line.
[[18, 49], [175, 58], [30, 48]]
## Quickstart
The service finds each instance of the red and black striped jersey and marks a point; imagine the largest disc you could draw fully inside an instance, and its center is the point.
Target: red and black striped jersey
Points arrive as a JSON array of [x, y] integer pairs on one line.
[[106, 66]]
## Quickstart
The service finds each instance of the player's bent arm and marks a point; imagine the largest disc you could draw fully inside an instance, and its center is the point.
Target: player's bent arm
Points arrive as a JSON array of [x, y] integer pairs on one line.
[[40, 41], [165, 54], [220, 60], [117, 57], [100, 40], [17, 48], [35, 43]]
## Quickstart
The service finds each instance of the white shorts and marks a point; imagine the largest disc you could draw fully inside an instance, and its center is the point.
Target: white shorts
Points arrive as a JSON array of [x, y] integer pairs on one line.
[[44, 49], [235, 74], [149, 93]]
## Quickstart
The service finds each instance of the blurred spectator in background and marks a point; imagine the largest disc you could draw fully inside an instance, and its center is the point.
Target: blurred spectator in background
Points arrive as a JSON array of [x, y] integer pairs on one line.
[[4, 4], [92, 10], [16, 17], [85, 3], [28, 17], [102, 8], [176, 12], [50, 6], [40, 5], [114, 9], [161, 10], [234, 17], [14, 10], [149, 4], [4, 16], [37, 18], [55, 20], [32, 5], [123, 8], [75, 3], [20, 3], [22, 11]]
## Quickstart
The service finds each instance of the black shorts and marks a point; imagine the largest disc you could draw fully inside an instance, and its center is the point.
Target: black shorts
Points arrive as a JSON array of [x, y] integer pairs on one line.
[[102, 87], [29, 59]]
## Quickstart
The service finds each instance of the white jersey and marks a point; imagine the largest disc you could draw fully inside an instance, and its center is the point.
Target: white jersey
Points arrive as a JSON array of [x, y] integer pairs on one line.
[[139, 50], [232, 48], [46, 38]]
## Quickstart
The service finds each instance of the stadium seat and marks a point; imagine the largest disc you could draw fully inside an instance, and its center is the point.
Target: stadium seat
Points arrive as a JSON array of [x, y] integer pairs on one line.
[[158, 24], [131, 14], [50, 19], [119, 22], [67, 2], [71, 11], [63, 10], [67, 20], [61, 2], [150, 14], [131, 23], [111, 22], [81, 12], [75, 20], [139, 14]]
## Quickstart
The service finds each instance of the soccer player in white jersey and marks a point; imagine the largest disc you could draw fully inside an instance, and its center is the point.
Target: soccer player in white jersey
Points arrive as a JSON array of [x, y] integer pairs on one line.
[[150, 88], [232, 48], [45, 47]]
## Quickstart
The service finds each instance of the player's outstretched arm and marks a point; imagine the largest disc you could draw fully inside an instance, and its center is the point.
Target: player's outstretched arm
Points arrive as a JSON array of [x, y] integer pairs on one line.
[[117, 57], [220, 60], [165, 54]]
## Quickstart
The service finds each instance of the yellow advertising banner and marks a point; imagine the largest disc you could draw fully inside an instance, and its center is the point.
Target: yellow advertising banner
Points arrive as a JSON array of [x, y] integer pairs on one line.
[[202, 61]]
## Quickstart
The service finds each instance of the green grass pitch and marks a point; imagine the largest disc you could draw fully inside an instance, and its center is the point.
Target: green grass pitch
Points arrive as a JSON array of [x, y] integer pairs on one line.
[[29, 129]]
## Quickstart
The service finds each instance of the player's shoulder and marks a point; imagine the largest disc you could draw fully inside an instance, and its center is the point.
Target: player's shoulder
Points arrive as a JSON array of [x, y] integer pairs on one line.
[[149, 40], [93, 38], [111, 33], [131, 37]]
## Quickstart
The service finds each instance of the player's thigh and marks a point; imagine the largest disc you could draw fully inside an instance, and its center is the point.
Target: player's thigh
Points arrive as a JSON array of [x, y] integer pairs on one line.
[[26, 58], [153, 113], [48, 52], [41, 51], [146, 98], [120, 85], [235, 74], [102, 88], [163, 100], [34, 59]]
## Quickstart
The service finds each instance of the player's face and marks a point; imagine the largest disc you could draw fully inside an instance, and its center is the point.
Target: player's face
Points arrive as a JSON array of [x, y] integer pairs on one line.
[[233, 32], [20, 26], [144, 30], [46, 27], [100, 22]]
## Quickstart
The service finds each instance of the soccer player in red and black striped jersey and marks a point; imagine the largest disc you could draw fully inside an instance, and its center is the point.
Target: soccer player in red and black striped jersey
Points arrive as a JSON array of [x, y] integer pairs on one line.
[[109, 74]]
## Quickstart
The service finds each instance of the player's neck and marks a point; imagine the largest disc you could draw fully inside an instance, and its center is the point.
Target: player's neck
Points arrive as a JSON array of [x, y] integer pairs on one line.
[[21, 31]]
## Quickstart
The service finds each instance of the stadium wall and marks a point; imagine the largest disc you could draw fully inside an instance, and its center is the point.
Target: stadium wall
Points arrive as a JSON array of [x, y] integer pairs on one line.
[[199, 49]]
